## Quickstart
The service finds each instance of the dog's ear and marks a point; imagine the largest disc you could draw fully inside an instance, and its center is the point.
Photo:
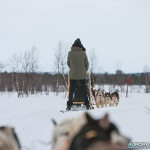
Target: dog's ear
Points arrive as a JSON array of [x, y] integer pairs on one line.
[[7, 130], [88, 117], [104, 122], [54, 122], [2, 128], [16, 138]]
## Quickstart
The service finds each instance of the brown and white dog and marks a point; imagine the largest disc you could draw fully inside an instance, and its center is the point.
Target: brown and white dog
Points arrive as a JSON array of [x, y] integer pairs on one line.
[[108, 100], [100, 99], [86, 133], [8, 139]]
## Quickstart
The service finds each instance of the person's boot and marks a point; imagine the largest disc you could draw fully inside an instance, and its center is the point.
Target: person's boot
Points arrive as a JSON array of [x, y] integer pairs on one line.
[[68, 108], [87, 107]]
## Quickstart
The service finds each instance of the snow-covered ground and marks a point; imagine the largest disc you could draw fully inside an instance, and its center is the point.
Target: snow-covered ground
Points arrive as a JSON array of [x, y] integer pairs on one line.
[[31, 117]]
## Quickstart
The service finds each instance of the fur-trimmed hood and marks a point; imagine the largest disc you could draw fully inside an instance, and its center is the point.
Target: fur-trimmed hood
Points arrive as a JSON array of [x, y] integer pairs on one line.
[[75, 48]]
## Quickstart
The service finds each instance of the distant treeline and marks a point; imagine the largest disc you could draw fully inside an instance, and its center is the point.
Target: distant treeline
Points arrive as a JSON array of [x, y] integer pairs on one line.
[[120, 78], [31, 83]]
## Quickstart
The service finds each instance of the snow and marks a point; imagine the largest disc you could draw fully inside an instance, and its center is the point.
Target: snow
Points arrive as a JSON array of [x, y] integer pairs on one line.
[[31, 117]]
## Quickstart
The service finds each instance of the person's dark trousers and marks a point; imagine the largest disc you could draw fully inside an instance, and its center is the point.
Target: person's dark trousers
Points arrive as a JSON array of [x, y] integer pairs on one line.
[[72, 90]]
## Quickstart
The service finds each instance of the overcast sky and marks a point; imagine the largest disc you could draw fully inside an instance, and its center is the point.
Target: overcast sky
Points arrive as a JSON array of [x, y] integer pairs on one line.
[[118, 30]]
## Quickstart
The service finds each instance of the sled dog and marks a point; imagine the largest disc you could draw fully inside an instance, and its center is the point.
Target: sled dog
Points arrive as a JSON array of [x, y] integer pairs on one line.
[[100, 99], [64, 132], [86, 133], [115, 98], [8, 139], [108, 100]]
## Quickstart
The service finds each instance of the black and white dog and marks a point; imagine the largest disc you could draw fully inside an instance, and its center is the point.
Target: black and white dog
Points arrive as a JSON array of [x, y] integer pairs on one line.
[[115, 98], [86, 133]]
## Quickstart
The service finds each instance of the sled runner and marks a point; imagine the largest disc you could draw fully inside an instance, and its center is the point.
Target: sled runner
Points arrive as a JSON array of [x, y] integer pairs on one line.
[[78, 98]]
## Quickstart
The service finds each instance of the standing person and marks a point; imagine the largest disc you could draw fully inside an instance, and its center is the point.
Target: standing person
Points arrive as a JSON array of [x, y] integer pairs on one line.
[[78, 64]]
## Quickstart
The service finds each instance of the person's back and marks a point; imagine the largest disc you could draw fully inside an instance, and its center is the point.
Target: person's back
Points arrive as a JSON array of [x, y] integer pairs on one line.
[[78, 64]]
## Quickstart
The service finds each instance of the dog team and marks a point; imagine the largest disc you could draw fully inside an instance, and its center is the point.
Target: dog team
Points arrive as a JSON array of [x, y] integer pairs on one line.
[[104, 99]]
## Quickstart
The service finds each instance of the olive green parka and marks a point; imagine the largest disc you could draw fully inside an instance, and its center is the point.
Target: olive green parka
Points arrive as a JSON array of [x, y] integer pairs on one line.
[[78, 63]]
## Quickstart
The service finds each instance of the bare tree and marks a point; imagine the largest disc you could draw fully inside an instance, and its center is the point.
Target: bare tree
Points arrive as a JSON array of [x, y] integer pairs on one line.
[[119, 75], [23, 68], [34, 65], [16, 67], [29, 66], [93, 61], [58, 54], [61, 63], [1, 69], [64, 64], [118, 65]]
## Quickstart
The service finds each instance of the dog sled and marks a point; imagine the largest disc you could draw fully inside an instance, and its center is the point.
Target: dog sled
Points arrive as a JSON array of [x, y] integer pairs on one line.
[[78, 98]]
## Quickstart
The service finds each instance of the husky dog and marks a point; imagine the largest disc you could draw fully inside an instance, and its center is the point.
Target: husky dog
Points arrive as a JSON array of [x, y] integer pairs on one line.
[[86, 133], [99, 135], [100, 99], [108, 100], [115, 98], [64, 132], [61, 134], [8, 139]]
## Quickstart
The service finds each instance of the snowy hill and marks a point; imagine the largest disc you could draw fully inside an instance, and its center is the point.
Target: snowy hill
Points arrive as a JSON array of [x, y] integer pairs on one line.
[[31, 117]]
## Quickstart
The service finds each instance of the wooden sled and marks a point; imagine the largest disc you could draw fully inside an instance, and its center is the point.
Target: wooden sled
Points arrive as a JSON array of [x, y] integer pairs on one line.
[[90, 95]]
